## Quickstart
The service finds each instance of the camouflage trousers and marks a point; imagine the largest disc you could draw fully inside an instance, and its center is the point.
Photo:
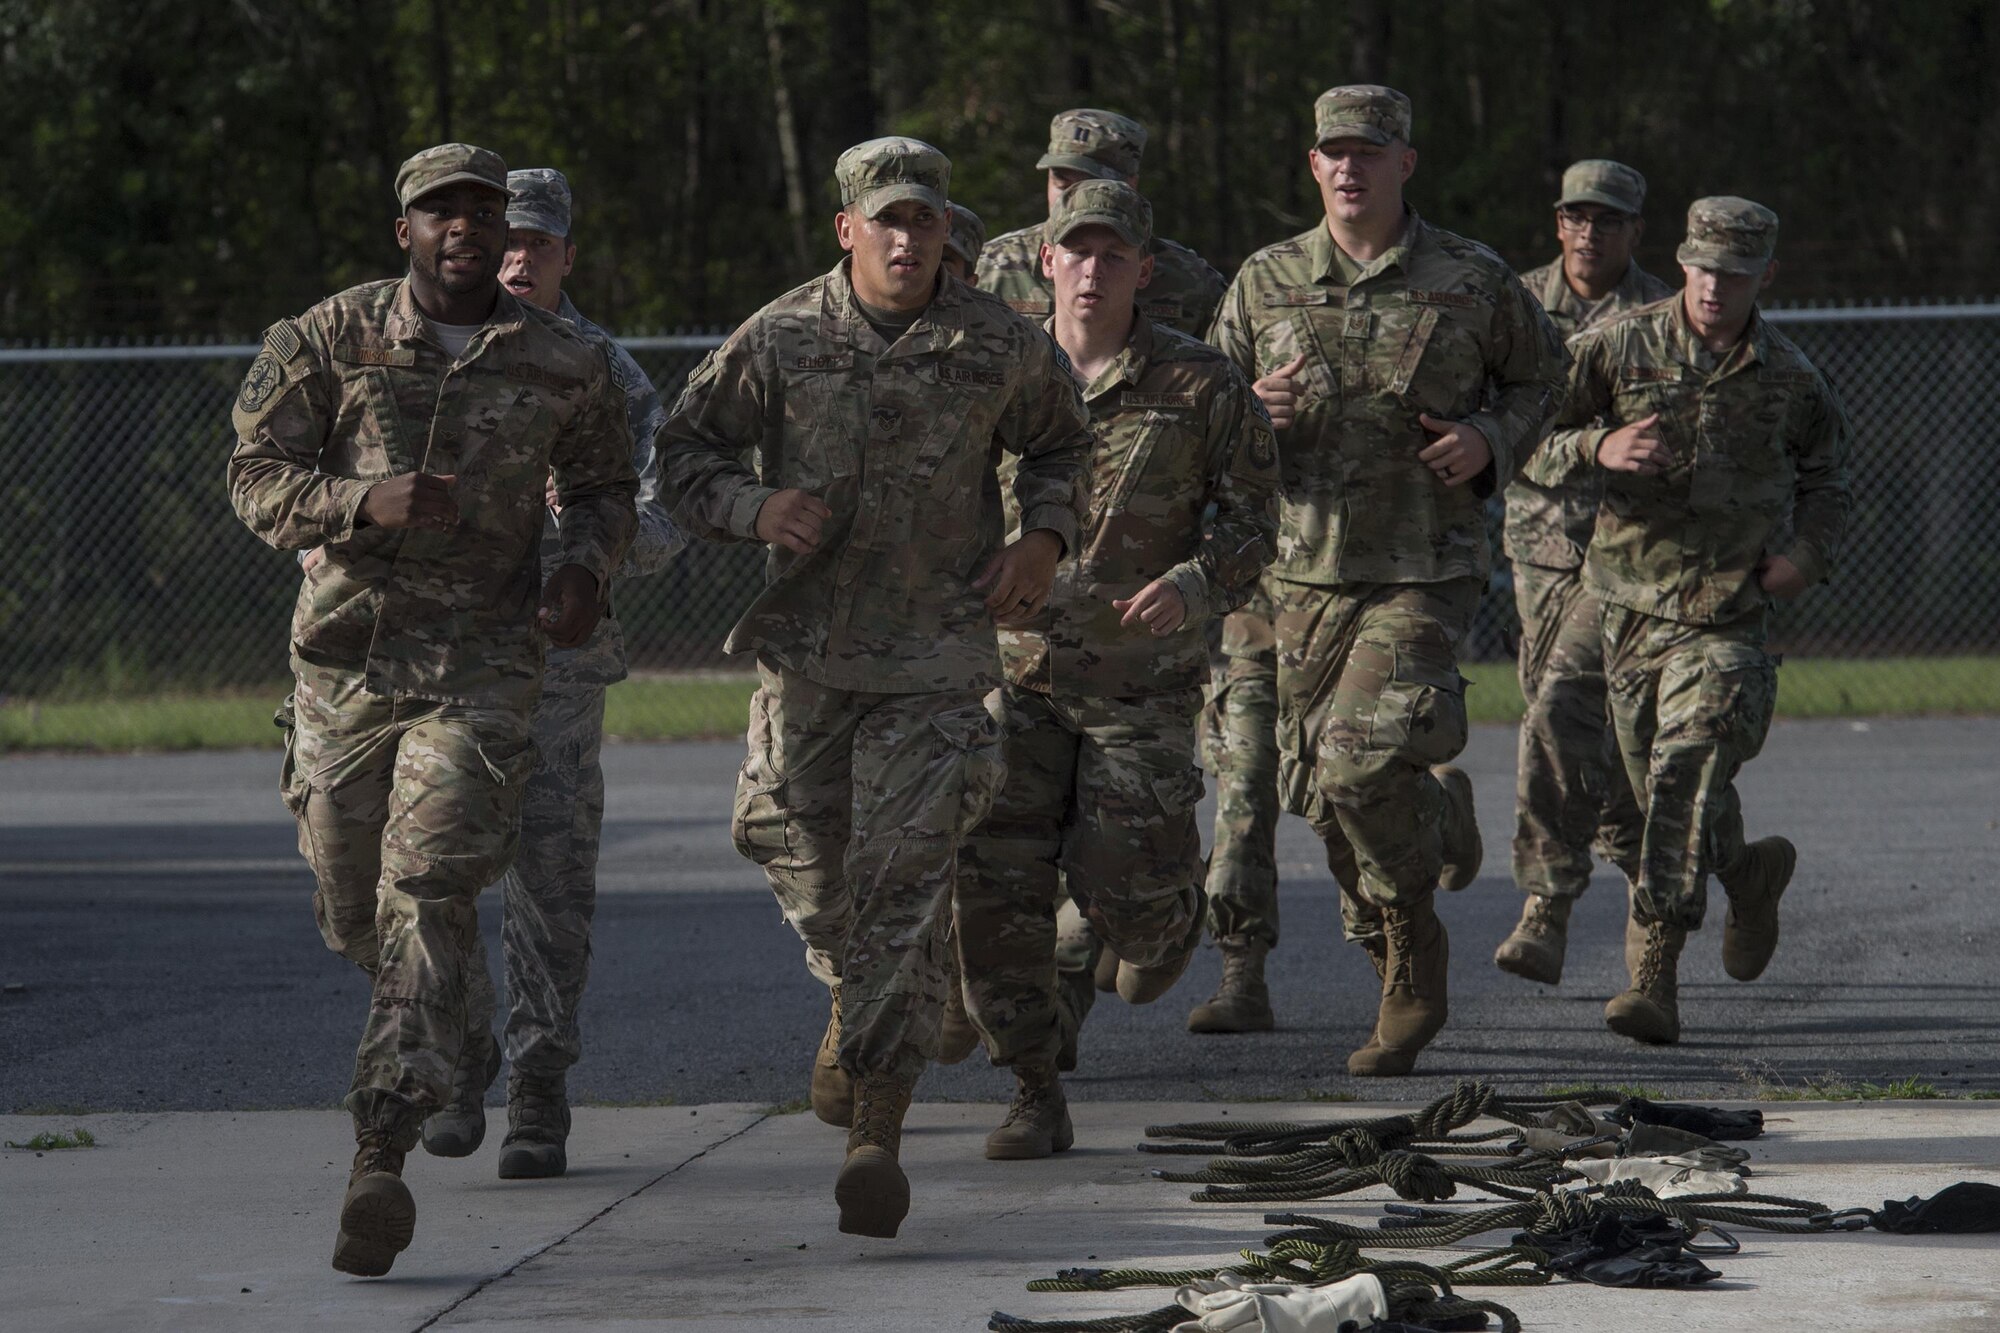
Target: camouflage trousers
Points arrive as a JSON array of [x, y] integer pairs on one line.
[[549, 895], [1240, 752], [406, 810], [1099, 801], [1570, 781], [1691, 705], [1369, 698], [856, 804]]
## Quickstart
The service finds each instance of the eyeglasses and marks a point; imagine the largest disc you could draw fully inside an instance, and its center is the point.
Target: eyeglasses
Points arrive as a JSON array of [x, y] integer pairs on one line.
[[1605, 224]]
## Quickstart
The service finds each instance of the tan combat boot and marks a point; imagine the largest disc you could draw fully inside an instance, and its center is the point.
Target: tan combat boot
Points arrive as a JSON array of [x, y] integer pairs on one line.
[[537, 1142], [1650, 1010], [378, 1217], [1535, 949], [957, 1038], [1413, 1005], [1037, 1124], [872, 1191], [457, 1128], [1242, 1003], [832, 1088], [1459, 830], [1750, 930], [1143, 985]]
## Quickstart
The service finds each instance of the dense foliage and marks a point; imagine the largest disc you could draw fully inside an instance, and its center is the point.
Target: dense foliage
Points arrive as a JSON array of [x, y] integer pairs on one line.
[[206, 165]]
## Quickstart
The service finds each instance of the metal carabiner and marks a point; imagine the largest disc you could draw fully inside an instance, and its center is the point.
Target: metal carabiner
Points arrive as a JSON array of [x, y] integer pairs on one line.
[[1843, 1219], [1724, 1242]]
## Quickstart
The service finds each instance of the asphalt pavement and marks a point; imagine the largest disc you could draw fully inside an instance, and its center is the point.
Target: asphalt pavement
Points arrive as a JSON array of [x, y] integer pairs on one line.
[[157, 950]]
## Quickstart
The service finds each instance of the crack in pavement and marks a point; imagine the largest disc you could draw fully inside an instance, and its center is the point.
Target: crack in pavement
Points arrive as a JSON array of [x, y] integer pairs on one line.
[[586, 1224]]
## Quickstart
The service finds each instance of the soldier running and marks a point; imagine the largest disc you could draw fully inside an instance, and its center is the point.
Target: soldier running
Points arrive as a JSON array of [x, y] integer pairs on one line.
[[1569, 783], [1723, 457], [875, 403], [410, 427], [1408, 373], [1105, 682]]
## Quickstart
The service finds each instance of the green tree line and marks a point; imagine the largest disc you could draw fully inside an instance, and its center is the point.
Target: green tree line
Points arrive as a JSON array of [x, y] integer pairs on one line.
[[204, 166]]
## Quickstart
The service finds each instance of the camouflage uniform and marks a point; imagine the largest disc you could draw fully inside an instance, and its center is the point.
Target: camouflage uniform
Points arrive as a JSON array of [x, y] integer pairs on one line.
[[416, 657], [1569, 781], [1379, 565], [1760, 445], [1240, 752], [968, 236], [1184, 289], [872, 750], [1101, 784]]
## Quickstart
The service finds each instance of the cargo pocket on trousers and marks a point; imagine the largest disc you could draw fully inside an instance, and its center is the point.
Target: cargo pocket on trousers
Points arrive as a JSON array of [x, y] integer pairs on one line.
[[1180, 793], [291, 790], [757, 821], [1420, 711], [1739, 690], [968, 756], [509, 763]]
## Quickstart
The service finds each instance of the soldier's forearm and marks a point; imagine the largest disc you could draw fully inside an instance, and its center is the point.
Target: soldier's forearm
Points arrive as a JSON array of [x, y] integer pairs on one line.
[[293, 508]]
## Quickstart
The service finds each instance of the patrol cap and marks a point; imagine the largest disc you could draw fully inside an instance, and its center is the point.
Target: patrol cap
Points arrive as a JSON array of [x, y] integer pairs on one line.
[[967, 236], [1099, 143], [1102, 203], [1362, 111], [541, 200], [1599, 180], [877, 173], [448, 164], [1729, 234]]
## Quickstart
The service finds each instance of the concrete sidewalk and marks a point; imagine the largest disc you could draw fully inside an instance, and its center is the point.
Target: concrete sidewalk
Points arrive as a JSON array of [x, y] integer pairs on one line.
[[721, 1217]]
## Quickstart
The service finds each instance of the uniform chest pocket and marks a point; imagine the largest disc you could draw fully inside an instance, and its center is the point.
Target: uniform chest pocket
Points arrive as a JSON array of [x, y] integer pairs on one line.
[[379, 393], [1123, 457], [1429, 357], [822, 410], [952, 413]]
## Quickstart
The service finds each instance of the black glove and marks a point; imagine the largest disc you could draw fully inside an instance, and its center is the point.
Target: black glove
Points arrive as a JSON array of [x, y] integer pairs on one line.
[[1708, 1121], [1965, 1207]]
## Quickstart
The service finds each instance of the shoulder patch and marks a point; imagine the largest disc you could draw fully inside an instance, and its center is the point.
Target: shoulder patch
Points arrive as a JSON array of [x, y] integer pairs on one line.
[[260, 384], [1063, 362], [1263, 446], [283, 339], [1186, 399]]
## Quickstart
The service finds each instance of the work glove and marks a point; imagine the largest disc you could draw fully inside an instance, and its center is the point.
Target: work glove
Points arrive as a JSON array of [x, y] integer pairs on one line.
[[1957, 1209], [1667, 1177], [1621, 1250], [1708, 1121], [1665, 1141], [1236, 1305]]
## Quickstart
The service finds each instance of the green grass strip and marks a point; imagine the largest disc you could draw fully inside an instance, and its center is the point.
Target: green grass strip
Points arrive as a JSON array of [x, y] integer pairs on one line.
[[695, 706]]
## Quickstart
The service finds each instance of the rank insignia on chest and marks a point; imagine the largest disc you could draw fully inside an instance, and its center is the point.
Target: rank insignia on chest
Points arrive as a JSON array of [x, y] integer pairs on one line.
[[886, 420]]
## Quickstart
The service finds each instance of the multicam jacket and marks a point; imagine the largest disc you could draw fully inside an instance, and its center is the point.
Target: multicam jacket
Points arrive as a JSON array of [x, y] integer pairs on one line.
[[1181, 295], [357, 390], [1551, 527], [1760, 448], [1178, 431], [601, 658], [1437, 324], [902, 442]]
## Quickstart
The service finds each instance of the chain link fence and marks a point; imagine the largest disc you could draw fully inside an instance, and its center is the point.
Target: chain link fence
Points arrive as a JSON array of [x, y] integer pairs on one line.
[[126, 574]]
